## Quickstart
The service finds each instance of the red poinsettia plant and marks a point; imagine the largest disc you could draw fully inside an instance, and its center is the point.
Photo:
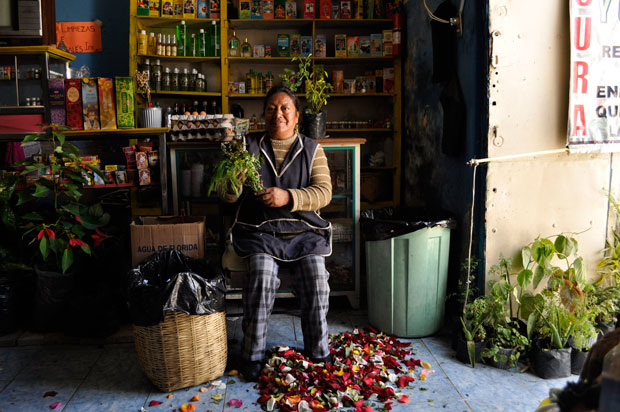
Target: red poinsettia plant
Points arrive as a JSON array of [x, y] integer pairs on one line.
[[57, 222]]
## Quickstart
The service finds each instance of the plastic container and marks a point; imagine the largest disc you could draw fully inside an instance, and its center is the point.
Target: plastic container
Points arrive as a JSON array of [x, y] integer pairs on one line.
[[407, 271]]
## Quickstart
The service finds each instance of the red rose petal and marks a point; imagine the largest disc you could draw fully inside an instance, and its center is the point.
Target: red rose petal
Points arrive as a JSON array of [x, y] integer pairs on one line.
[[155, 403], [403, 399]]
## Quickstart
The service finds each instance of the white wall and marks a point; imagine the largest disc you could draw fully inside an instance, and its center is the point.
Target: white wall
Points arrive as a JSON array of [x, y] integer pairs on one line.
[[528, 103]]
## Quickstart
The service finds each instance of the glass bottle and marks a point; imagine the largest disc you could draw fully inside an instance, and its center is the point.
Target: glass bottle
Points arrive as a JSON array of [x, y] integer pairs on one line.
[[248, 82], [213, 107], [202, 43], [168, 45], [165, 80], [156, 76], [146, 68], [152, 45], [268, 81], [233, 46], [253, 80], [216, 40], [161, 47], [192, 80], [193, 46], [200, 84], [195, 106], [174, 80], [173, 46], [176, 109], [143, 41], [205, 106], [261, 83], [246, 49], [184, 80]]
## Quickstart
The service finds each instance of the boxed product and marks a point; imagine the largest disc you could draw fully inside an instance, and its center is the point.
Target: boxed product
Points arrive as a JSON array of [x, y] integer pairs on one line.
[[90, 103], [244, 10], [348, 86], [189, 9], [308, 9], [57, 101], [125, 102], [306, 45], [325, 9], [283, 45], [358, 9], [73, 103], [214, 9], [361, 85], [338, 81], [353, 46], [379, 80], [154, 7], [291, 9], [107, 107], [267, 50], [387, 42], [280, 9], [388, 80], [376, 44], [185, 234], [371, 84], [202, 9], [335, 9], [369, 11], [295, 44], [364, 46], [256, 8], [144, 177], [320, 46], [259, 50], [167, 8], [268, 9], [143, 8], [345, 9], [178, 8], [340, 45]]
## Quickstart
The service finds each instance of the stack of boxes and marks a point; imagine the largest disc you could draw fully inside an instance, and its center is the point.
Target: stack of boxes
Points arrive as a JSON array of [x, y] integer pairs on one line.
[[181, 9]]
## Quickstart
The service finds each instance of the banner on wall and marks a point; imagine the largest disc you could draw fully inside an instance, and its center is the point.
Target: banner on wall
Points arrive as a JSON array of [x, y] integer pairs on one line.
[[594, 96], [79, 36]]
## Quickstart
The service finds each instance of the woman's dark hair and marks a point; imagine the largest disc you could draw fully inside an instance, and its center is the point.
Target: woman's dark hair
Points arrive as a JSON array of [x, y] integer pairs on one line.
[[285, 90]]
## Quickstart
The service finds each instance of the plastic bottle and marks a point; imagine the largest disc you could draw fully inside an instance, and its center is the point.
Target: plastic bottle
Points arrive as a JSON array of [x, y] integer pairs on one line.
[[165, 80], [174, 80], [184, 81], [182, 38], [202, 43], [261, 83], [193, 45], [268, 81], [161, 47], [254, 82], [156, 76], [152, 44], [233, 46], [192, 80], [168, 45], [248, 82], [216, 39], [246, 49], [173, 46], [143, 42]]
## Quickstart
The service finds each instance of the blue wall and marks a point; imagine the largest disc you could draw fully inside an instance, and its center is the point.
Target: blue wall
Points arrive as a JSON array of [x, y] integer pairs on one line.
[[114, 16]]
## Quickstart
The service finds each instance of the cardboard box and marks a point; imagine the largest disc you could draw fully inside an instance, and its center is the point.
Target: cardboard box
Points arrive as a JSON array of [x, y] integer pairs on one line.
[[154, 7], [345, 9], [143, 8], [306, 46], [214, 9], [338, 81], [353, 46], [376, 44], [291, 9], [256, 8], [90, 103], [364, 46], [189, 9], [340, 45], [308, 9], [325, 9], [335, 9], [178, 8], [244, 10], [267, 9], [280, 9], [73, 103], [165, 233], [388, 80], [57, 101], [167, 8], [320, 46], [107, 108], [125, 102], [283, 45], [202, 9], [295, 44]]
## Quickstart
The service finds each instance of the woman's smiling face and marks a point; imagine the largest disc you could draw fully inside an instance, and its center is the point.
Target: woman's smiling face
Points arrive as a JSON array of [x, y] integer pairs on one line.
[[281, 116]]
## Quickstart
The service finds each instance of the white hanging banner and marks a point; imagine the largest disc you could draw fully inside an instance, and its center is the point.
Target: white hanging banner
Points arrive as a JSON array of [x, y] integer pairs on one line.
[[594, 102]]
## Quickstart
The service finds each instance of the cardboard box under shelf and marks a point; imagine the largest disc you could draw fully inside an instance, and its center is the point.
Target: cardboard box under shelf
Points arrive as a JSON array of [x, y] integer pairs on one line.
[[376, 186], [167, 232]]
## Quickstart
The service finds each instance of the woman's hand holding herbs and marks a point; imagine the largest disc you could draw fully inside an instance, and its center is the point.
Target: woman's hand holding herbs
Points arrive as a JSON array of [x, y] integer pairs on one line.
[[274, 197]]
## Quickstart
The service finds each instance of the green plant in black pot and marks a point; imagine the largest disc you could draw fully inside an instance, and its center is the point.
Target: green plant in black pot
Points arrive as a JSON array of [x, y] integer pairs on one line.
[[475, 315], [605, 305]]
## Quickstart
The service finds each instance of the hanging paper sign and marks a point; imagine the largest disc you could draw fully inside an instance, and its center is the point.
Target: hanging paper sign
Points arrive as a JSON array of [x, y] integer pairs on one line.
[[79, 36], [594, 96]]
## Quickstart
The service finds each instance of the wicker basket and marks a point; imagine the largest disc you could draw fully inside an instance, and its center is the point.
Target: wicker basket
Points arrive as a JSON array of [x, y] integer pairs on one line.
[[183, 350]]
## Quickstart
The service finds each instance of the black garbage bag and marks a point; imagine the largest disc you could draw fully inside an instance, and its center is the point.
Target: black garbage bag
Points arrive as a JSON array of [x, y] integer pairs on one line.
[[171, 281], [389, 222]]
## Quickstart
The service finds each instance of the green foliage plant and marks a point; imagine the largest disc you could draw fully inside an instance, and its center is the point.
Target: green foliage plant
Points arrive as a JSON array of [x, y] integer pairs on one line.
[[315, 80], [63, 226], [473, 322], [552, 321], [238, 167], [505, 335], [609, 265]]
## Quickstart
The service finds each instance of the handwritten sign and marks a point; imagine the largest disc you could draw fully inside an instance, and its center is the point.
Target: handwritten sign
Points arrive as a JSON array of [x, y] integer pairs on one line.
[[79, 36]]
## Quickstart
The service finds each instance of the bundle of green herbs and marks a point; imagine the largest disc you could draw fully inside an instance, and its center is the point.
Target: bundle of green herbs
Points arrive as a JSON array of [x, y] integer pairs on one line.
[[236, 164]]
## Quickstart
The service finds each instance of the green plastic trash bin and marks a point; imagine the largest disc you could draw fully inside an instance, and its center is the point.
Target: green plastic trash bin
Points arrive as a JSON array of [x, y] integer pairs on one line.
[[406, 278]]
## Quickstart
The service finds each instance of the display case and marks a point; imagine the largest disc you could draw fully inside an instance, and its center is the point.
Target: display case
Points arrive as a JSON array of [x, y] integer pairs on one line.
[[24, 92], [191, 165]]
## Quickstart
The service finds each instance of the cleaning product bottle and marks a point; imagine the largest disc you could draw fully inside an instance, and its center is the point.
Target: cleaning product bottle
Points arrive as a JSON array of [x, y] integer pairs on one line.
[[182, 39]]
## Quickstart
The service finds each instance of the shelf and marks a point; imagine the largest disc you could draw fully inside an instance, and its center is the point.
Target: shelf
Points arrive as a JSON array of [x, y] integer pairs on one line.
[[116, 132], [115, 186], [193, 143], [263, 60], [191, 59], [148, 21], [359, 59], [185, 93], [36, 50], [22, 109], [340, 23], [272, 23], [255, 95]]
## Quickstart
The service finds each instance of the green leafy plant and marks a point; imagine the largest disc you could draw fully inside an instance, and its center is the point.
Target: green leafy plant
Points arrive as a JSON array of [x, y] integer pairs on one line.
[[238, 167], [473, 322], [315, 80], [609, 265], [57, 222], [549, 318], [505, 335]]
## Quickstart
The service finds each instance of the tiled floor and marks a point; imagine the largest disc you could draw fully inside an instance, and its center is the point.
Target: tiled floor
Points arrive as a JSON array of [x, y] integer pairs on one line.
[[105, 376]]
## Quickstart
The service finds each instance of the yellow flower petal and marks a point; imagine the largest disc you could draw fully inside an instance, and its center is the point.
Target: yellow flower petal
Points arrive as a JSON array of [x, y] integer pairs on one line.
[[217, 397], [425, 365], [233, 372]]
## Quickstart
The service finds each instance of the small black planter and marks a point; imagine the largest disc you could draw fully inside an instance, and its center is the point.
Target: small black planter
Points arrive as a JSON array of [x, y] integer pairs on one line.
[[605, 328], [53, 294], [313, 125], [463, 355], [577, 359], [501, 364], [551, 363]]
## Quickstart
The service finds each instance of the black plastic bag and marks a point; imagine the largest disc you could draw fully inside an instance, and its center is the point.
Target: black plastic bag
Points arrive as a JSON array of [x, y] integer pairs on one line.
[[551, 363], [313, 125], [389, 222], [171, 281]]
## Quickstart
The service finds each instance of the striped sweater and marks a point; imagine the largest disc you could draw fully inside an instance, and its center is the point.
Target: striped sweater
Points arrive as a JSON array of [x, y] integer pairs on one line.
[[311, 198]]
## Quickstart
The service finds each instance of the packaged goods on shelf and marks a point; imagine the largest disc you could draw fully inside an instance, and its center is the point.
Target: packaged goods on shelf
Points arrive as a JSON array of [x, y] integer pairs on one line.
[[295, 45], [244, 10], [73, 103], [340, 45], [154, 8], [376, 44], [167, 8], [90, 103], [143, 8], [364, 46], [214, 9], [189, 9], [203, 9], [320, 46], [125, 102], [212, 127], [306, 46], [308, 9], [283, 45], [268, 12], [256, 9], [291, 9], [107, 107], [280, 9], [353, 46], [335, 9], [57, 101], [345, 9]]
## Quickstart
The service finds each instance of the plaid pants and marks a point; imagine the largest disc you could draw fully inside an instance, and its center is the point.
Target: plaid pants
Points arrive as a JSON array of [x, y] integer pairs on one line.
[[259, 292]]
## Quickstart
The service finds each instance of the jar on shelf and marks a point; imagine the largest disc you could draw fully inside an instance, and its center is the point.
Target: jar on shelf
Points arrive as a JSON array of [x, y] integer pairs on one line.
[[166, 79], [184, 81], [174, 80]]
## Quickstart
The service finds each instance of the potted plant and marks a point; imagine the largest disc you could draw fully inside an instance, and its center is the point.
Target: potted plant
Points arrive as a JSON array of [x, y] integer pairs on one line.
[[314, 78], [61, 229], [605, 304], [148, 116], [473, 341]]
